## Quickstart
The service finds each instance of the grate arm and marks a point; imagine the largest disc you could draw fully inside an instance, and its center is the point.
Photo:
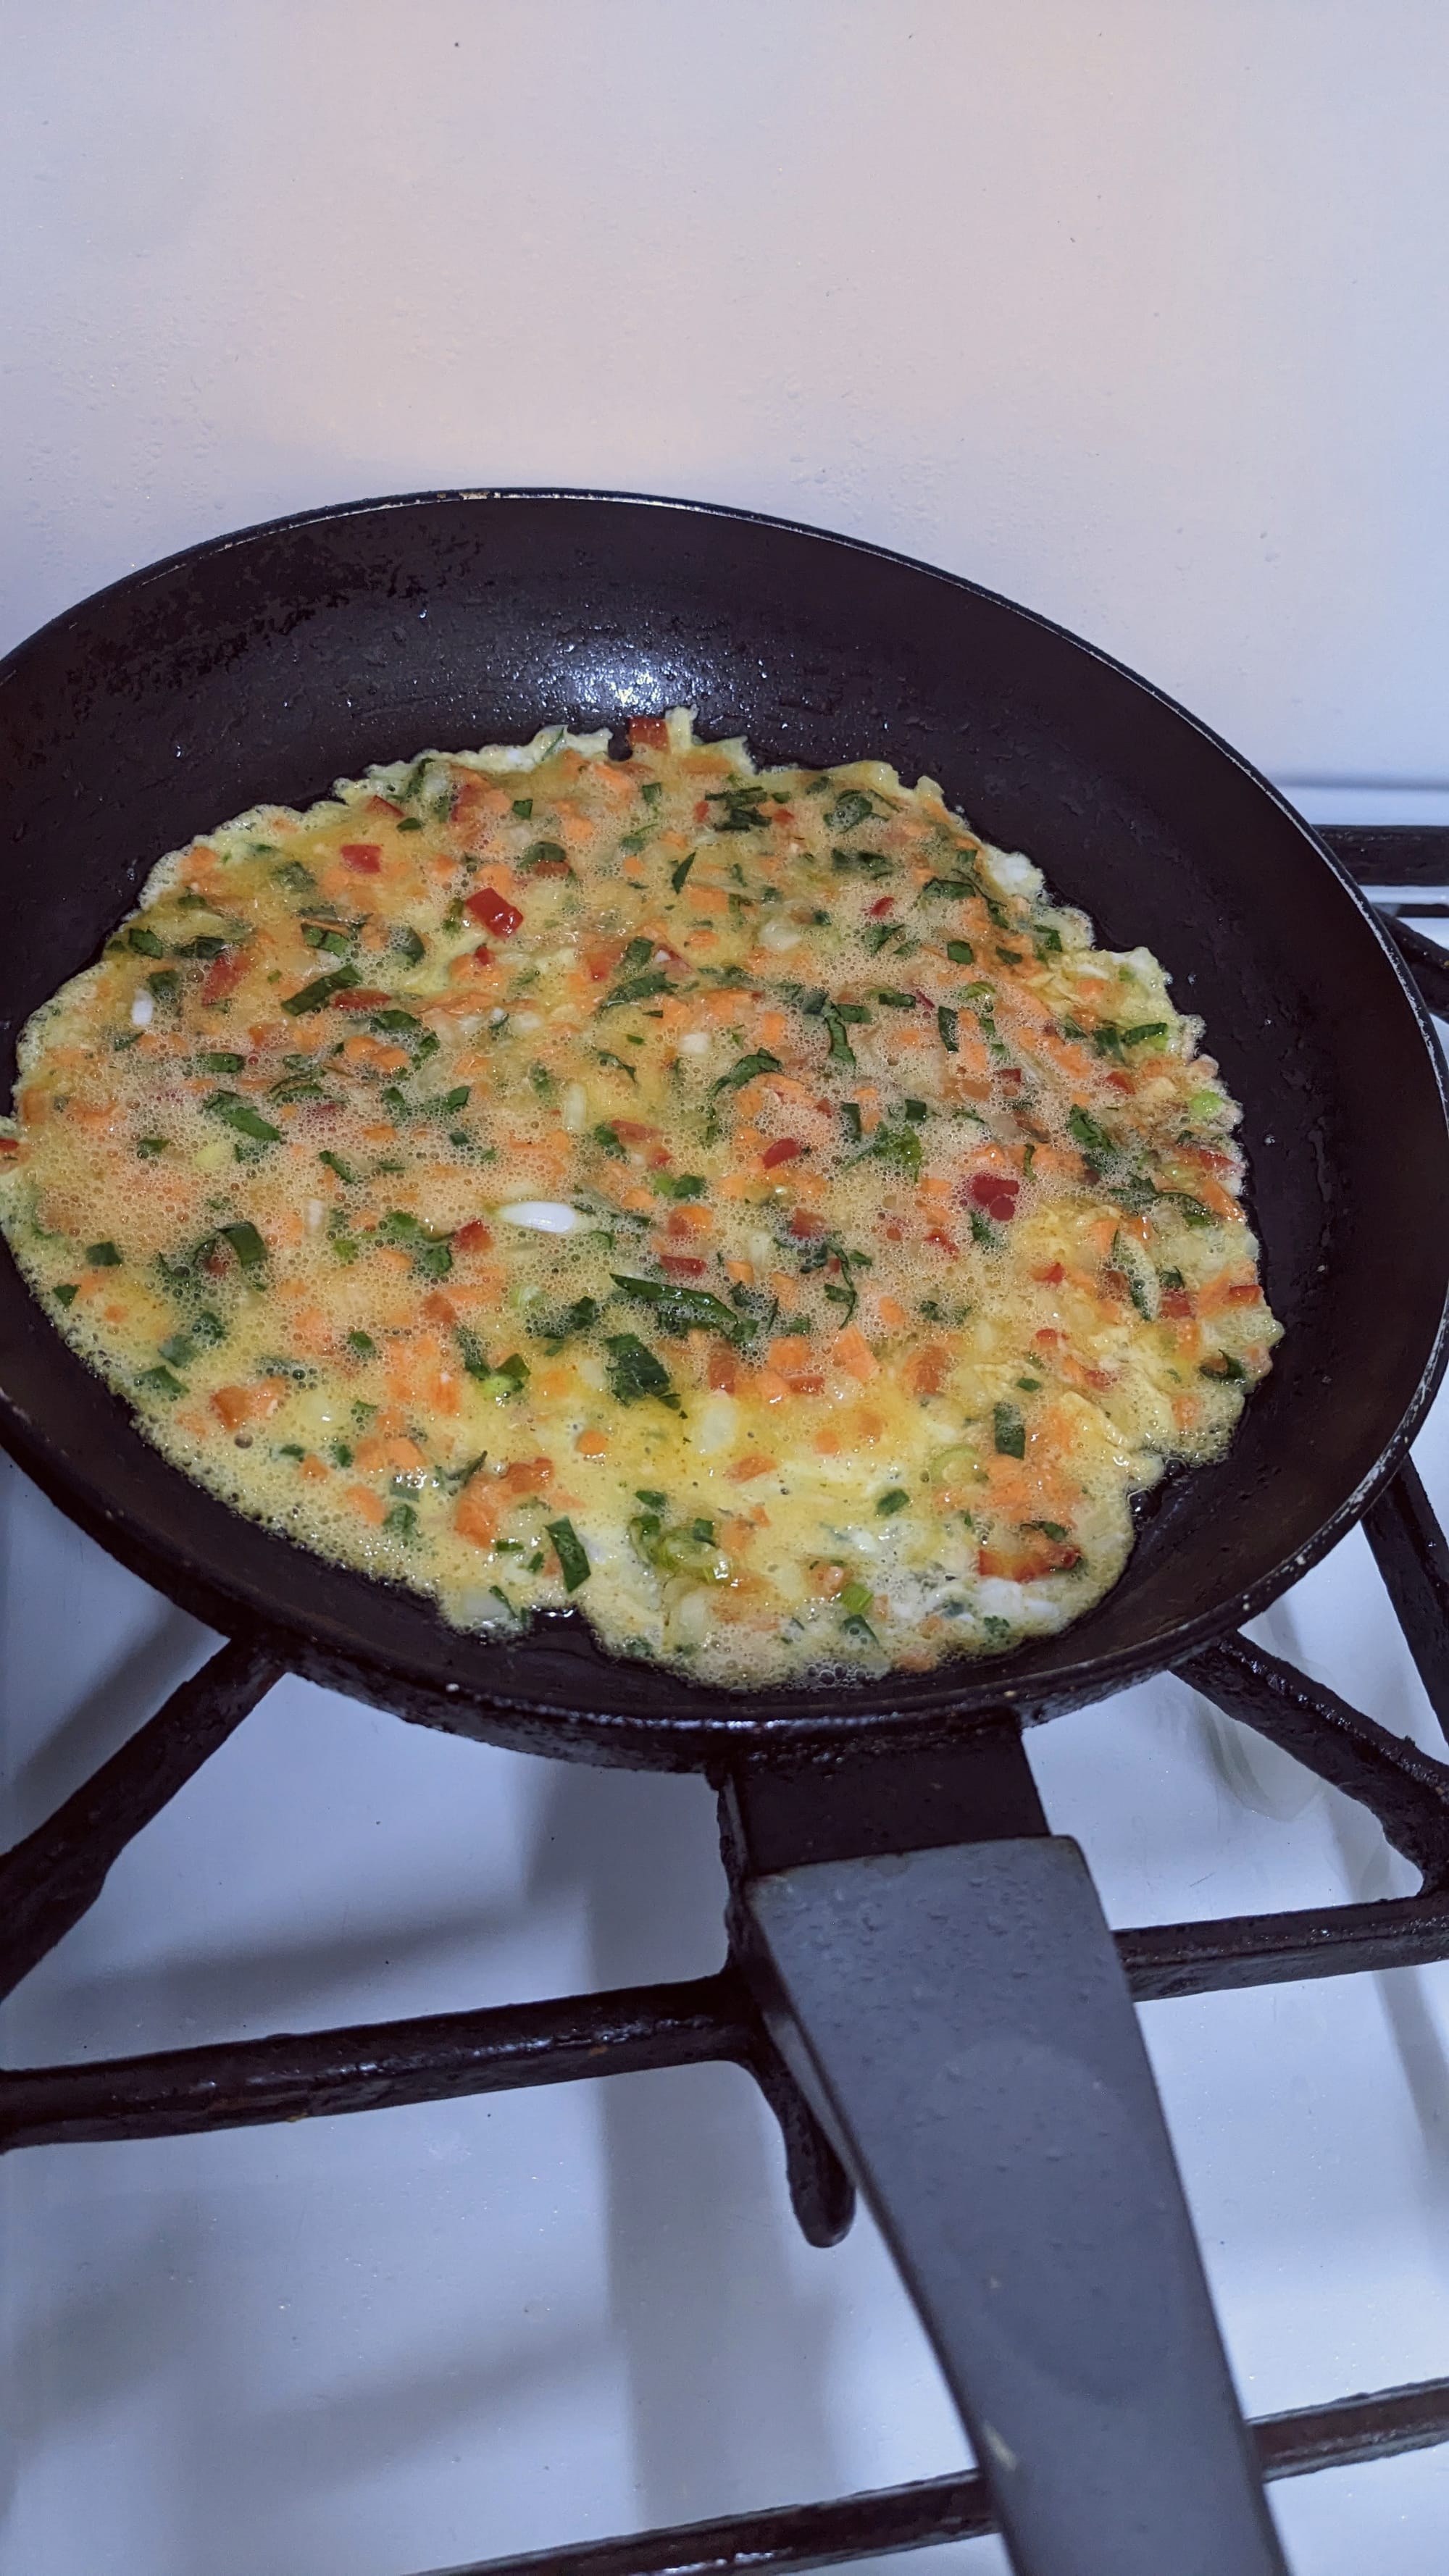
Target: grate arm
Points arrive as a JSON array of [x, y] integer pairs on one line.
[[48, 1881]]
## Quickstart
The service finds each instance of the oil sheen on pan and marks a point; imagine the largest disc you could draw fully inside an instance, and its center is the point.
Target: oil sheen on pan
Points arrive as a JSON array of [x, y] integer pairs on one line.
[[739, 1204]]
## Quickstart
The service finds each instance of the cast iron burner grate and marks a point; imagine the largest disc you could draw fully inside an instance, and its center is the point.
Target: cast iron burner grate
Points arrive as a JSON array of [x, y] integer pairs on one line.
[[48, 1881]]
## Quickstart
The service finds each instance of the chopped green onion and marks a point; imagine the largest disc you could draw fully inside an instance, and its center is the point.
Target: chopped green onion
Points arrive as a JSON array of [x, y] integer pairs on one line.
[[572, 1555]]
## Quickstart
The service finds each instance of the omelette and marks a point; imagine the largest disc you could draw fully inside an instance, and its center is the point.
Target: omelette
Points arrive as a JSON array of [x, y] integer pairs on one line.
[[739, 1204]]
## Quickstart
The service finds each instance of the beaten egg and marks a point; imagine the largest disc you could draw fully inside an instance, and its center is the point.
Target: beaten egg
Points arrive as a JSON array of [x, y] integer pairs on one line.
[[739, 1204]]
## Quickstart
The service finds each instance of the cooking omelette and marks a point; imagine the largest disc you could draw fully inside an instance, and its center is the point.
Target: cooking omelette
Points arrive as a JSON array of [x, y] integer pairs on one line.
[[738, 1203]]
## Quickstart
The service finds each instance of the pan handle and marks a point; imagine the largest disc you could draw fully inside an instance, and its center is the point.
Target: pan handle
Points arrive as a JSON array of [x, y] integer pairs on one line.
[[959, 2019]]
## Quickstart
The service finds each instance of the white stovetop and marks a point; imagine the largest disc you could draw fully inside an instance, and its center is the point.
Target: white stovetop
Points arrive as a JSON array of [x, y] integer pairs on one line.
[[375, 2345]]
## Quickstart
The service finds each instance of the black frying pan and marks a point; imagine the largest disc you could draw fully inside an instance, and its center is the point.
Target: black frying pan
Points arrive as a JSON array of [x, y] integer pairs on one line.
[[934, 1961]]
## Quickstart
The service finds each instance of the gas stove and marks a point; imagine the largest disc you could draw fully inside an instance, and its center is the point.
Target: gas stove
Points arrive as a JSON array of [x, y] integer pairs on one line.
[[535, 2306]]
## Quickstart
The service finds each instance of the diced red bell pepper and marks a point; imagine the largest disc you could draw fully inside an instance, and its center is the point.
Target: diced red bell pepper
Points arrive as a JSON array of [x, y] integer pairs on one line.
[[495, 915], [472, 1237], [996, 1194], [223, 975], [364, 856], [806, 1222], [884, 905], [363, 997], [681, 1265], [783, 1151], [649, 731]]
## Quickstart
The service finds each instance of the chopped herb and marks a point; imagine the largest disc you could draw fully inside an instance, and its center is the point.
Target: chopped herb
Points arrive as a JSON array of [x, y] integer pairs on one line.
[[523, 808], [67, 1293], [431, 1256], [335, 1163], [143, 941], [602, 1055], [1224, 1368], [851, 807], [165, 984], [239, 1114], [316, 995], [1191, 1210], [560, 1328], [643, 1493], [362, 1344], [1008, 1431], [862, 863], [681, 1310], [545, 854], [103, 1256], [678, 875], [1053, 1530], [409, 943], [246, 1243], [206, 946], [892, 1502], [636, 988], [677, 1185], [1047, 943], [860, 1629], [948, 889], [896, 1001], [900, 1148], [402, 1520], [606, 1137], [949, 1023], [651, 791], [916, 1111], [572, 1555], [634, 1371], [296, 878], [1144, 1033], [746, 1070], [850, 1120], [160, 1381], [1011, 956], [340, 1454], [1093, 1140], [961, 952], [148, 1147], [217, 1062]]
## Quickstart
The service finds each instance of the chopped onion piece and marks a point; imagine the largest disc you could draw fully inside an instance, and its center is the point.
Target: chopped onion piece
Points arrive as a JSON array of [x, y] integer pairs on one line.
[[545, 1216]]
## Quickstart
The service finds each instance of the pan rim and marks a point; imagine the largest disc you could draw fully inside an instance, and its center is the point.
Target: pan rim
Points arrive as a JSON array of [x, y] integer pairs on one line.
[[965, 1688]]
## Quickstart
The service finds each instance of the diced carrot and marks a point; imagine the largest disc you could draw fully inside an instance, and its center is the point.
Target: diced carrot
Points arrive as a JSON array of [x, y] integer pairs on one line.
[[852, 1351], [926, 1371], [235, 1405], [741, 1272], [770, 1387], [754, 1463], [476, 1514], [791, 1355], [591, 1444], [1051, 1277], [314, 1470], [438, 1308], [526, 1475], [892, 1314], [367, 1505]]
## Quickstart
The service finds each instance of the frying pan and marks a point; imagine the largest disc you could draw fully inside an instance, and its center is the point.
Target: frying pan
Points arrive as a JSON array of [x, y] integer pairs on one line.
[[932, 1959]]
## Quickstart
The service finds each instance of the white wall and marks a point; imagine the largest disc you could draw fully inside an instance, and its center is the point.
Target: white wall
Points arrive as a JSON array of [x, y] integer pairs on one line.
[[1135, 311]]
